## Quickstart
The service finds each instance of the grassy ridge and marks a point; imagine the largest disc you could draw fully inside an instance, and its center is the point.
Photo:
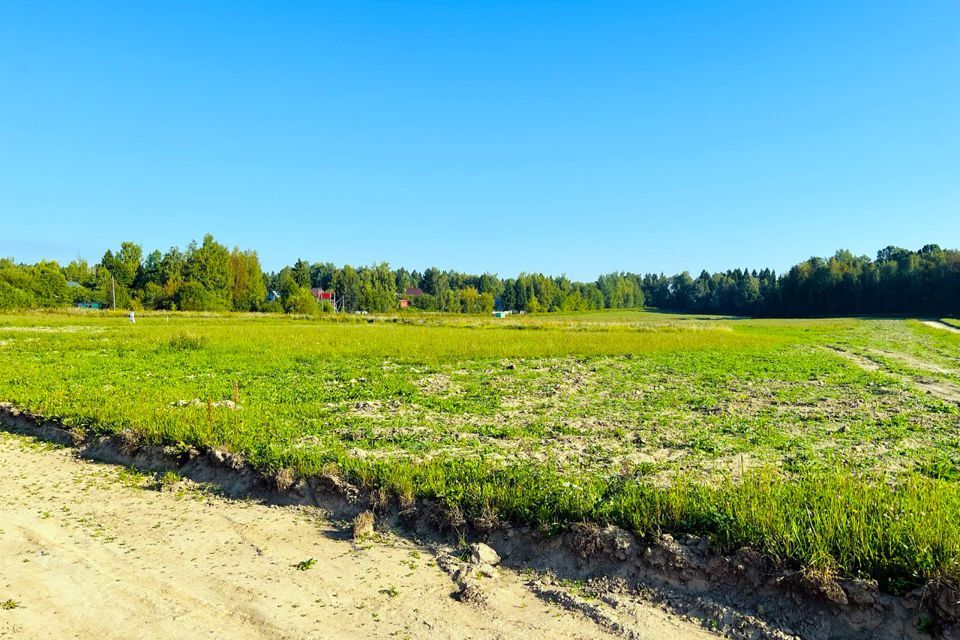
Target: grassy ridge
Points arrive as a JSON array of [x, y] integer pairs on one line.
[[854, 525], [756, 432]]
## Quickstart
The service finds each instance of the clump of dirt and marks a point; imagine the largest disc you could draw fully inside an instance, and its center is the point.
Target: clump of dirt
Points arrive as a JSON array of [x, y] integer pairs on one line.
[[483, 554], [820, 583], [588, 540], [129, 441], [486, 522], [446, 517], [379, 500], [363, 526], [284, 479], [334, 485], [470, 592]]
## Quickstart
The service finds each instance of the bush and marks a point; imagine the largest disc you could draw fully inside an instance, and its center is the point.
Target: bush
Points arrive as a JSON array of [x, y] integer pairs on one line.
[[302, 302], [187, 342], [273, 306], [194, 297], [14, 298]]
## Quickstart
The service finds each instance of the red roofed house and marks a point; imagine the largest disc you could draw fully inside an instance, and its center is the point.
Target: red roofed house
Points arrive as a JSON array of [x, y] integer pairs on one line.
[[320, 294], [409, 292]]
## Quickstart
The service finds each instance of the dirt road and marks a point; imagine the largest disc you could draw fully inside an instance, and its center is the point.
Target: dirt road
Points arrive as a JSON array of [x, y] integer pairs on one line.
[[936, 324], [87, 552]]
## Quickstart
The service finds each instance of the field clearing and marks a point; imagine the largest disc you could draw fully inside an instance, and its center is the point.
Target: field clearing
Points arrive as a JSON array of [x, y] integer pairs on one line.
[[829, 444]]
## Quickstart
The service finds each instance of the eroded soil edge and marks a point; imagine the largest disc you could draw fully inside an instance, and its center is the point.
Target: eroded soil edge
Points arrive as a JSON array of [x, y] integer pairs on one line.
[[601, 572]]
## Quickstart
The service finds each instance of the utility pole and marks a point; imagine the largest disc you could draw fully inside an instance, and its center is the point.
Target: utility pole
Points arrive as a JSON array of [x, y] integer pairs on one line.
[[113, 291]]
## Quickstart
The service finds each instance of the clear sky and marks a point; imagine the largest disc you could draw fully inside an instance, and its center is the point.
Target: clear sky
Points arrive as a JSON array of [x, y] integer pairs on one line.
[[554, 136]]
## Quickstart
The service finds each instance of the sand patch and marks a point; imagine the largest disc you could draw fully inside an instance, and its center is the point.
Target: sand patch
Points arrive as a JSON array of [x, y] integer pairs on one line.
[[87, 553]]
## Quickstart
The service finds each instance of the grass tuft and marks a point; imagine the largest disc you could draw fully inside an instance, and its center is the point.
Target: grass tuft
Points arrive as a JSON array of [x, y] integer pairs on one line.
[[187, 342]]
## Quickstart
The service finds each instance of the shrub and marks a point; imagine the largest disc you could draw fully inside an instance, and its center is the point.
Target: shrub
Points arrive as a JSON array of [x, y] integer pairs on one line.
[[187, 342]]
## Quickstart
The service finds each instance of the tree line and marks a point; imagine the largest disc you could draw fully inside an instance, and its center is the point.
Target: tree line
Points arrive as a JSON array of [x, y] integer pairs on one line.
[[208, 276]]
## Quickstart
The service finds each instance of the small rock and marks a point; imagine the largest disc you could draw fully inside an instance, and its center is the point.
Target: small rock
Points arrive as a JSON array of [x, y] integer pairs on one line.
[[484, 554]]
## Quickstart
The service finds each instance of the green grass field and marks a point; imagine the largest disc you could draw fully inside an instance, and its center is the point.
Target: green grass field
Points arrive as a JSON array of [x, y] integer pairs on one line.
[[827, 444]]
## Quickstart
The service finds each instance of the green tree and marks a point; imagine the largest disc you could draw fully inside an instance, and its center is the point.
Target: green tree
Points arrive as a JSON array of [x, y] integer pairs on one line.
[[287, 285], [378, 286], [470, 300], [49, 285], [302, 302], [125, 264], [301, 273], [208, 266], [80, 272], [347, 284], [16, 287], [248, 290]]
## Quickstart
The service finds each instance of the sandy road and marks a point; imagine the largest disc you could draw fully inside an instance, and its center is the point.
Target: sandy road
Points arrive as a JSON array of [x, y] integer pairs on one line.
[[936, 324], [87, 553]]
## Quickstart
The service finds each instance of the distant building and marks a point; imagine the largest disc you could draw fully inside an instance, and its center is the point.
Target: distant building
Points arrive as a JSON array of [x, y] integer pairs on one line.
[[413, 292], [404, 303], [500, 314], [74, 285], [319, 294], [273, 296]]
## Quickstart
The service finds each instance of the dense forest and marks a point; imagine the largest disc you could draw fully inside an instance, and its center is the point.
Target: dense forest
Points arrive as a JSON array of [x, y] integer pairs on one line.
[[210, 277]]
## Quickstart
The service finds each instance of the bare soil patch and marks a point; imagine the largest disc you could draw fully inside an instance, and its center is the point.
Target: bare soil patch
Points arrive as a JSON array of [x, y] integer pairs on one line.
[[85, 551]]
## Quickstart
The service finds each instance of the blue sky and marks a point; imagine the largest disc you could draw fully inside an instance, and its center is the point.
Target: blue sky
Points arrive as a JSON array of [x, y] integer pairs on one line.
[[556, 136]]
